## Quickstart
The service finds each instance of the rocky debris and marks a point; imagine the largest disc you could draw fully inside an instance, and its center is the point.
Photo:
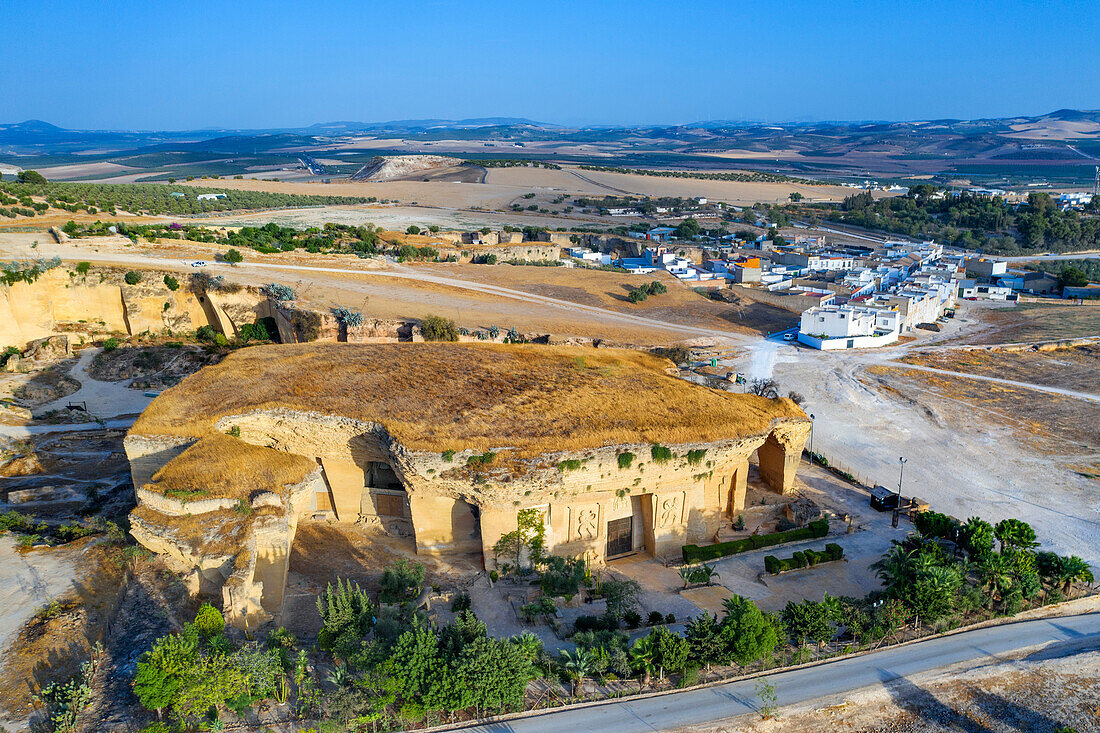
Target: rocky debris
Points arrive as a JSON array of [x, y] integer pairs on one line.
[[47, 385], [50, 348], [19, 459], [151, 367]]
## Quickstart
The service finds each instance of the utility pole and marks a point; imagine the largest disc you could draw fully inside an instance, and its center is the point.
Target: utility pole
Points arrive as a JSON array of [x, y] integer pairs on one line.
[[897, 504], [1096, 184]]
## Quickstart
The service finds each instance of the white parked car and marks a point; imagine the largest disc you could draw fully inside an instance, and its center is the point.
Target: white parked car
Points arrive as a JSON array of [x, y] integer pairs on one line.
[[789, 337], [198, 263]]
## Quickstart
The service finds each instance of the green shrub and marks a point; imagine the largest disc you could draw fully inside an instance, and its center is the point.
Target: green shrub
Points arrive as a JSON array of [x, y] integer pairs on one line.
[[483, 459], [205, 333], [110, 344], [626, 460], [571, 464], [660, 453], [447, 455], [132, 277], [804, 558], [462, 602], [934, 524], [437, 328], [695, 457], [695, 554], [172, 283], [209, 621]]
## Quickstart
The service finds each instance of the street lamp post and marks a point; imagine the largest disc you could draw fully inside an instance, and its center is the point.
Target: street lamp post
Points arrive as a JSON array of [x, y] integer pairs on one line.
[[811, 439], [897, 504]]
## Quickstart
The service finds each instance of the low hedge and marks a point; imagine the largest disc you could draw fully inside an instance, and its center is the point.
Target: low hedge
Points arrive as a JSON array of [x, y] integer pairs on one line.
[[813, 531], [804, 558]]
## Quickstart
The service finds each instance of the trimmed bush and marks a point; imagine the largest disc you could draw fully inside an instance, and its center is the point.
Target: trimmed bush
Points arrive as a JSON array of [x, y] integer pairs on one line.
[[696, 554], [804, 558]]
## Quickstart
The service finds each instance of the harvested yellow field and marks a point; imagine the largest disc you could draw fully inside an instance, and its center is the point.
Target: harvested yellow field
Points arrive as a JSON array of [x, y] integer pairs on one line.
[[734, 192], [446, 396]]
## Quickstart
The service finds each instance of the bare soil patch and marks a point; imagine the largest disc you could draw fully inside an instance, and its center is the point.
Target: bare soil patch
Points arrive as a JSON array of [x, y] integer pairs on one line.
[[1067, 421], [1072, 368], [1029, 693], [1037, 322]]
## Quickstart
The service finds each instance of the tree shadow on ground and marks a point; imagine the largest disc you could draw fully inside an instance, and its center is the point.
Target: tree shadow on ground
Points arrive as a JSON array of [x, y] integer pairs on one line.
[[922, 704], [1013, 714]]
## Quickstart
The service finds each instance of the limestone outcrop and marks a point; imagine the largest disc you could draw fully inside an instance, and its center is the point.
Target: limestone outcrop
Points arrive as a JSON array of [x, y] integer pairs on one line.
[[446, 443]]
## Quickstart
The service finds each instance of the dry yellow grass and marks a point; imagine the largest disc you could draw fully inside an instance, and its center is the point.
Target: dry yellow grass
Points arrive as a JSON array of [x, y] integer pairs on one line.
[[528, 399], [221, 466], [223, 532]]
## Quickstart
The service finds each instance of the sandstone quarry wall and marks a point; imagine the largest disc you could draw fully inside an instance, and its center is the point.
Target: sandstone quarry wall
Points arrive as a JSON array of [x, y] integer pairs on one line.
[[58, 303]]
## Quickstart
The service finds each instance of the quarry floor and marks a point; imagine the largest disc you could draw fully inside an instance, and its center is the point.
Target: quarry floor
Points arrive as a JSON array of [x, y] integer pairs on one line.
[[990, 449]]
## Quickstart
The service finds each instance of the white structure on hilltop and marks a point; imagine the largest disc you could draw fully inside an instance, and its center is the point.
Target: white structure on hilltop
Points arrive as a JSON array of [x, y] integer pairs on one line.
[[848, 327]]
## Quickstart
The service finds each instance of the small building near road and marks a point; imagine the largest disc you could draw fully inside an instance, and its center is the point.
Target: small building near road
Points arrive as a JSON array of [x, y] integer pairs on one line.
[[834, 327]]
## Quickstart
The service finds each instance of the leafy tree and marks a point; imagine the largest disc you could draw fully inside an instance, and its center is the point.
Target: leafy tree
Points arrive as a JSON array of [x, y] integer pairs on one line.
[[672, 650], [749, 634], [1073, 277], [171, 283], [621, 596], [687, 229], [975, 537], [83, 268], [705, 640], [233, 256], [1014, 533], [795, 197], [213, 681], [413, 660], [132, 277], [31, 177], [495, 672], [412, 229], [808, 621], [401, 580]]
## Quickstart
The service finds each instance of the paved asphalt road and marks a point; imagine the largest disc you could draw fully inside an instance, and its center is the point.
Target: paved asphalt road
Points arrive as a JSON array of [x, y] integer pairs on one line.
[[711, 704]]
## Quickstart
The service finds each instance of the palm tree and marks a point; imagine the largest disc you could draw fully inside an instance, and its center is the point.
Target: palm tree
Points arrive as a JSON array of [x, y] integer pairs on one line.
[[895, 568], [1015, 534], [643, 657], [1072, 569], [996, 572], [577, 665]]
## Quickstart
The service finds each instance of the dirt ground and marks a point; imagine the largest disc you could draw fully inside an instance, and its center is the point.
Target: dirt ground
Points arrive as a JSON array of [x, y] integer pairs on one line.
[[680, 305], [1032, 692], [1072, 368], [323, 552], [970, 448], [1035, 322]]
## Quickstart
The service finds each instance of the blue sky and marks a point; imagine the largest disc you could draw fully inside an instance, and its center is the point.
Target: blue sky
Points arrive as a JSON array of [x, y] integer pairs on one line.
[[185, 65]]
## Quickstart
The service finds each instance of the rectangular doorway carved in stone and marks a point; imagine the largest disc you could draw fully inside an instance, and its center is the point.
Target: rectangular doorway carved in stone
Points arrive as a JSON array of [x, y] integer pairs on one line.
[[620, 536]]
